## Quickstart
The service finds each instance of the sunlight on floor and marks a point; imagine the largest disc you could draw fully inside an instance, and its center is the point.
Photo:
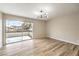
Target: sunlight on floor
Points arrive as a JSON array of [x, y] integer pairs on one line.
[[17, 39]]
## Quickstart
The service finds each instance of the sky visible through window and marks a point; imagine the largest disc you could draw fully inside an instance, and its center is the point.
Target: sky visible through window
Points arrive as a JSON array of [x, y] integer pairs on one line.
[[13, 23]]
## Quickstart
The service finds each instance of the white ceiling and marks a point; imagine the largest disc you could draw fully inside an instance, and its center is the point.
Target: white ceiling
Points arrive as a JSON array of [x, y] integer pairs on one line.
[[30, 9]]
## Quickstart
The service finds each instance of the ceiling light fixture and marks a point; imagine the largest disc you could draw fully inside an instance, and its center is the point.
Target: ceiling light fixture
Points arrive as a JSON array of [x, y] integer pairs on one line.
[[42, 14]]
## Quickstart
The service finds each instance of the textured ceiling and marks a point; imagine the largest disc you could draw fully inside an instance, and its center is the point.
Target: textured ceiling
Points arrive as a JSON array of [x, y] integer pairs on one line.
[[30, 9]]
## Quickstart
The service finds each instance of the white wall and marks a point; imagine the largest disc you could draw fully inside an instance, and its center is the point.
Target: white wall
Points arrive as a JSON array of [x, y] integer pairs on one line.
[[0, 30], [65, 28]]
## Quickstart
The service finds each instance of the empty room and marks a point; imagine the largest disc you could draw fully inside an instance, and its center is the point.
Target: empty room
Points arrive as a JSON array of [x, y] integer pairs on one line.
[[39, 29]]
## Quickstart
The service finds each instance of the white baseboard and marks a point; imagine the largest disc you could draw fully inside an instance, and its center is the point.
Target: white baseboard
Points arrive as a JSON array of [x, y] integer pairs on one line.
[[76, 43]]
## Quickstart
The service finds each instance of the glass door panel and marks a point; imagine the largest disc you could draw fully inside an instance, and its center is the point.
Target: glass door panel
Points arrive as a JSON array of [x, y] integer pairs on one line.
[[27, 30], [13, 31]]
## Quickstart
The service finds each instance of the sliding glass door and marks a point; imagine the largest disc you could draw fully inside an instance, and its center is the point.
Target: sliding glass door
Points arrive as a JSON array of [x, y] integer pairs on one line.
[[17, 31]]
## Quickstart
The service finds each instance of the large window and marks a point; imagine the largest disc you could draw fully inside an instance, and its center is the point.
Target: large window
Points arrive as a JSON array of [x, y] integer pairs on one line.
[[18, 31]]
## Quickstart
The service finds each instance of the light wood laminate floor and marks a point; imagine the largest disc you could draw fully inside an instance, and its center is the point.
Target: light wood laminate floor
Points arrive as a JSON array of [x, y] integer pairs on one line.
[[40, 47]]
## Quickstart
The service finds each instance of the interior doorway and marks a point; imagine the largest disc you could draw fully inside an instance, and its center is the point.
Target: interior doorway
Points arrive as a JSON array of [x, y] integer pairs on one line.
[[17, 31]]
